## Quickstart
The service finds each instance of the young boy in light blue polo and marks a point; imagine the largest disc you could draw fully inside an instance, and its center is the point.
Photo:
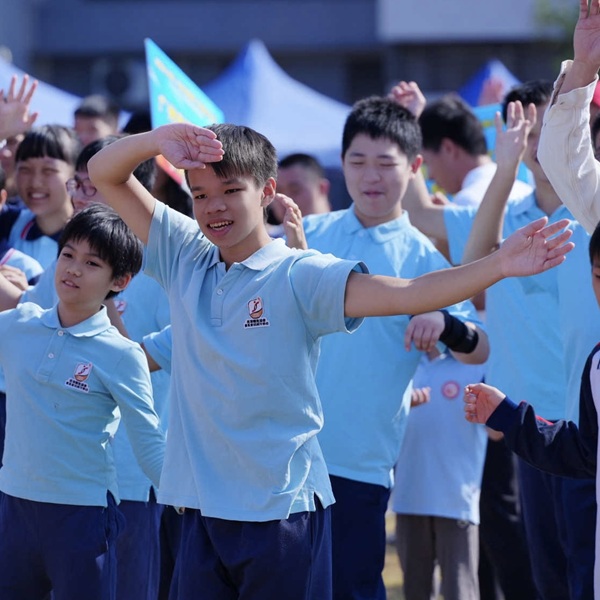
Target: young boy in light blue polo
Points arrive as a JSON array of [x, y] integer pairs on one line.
[[143, 308], [70, 378], [364, 382], [247, 315]]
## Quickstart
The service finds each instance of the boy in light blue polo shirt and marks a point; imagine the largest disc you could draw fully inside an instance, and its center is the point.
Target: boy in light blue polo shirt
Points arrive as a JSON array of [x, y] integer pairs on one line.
[[247, 317], [364, 382], [70, 377]]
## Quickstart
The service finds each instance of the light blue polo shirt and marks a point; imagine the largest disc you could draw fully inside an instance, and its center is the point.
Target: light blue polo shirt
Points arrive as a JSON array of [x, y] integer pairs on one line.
[[579, 314], [31, 268], [529, 358], [440, 465], [159, 345], [66, 390], [245, 411], [144, 308], [363, 379]]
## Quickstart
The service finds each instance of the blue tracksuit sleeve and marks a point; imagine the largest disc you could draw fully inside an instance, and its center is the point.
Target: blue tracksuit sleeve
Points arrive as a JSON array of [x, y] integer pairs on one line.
[[560, 448]]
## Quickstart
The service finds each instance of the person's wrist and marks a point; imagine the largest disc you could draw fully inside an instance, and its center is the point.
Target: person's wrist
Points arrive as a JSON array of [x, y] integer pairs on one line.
[[582, 71]]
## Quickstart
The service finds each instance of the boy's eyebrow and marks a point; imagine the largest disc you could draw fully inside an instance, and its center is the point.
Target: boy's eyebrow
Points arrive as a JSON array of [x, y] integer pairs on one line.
[[94, 254], [357, 154]]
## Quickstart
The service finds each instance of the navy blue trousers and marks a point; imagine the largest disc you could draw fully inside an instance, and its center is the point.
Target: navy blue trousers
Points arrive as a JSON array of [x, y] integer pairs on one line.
[[64, 548], [358, 539]]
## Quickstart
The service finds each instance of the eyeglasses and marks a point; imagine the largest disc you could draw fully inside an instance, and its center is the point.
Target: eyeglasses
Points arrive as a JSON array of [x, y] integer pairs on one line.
[[85, 186]]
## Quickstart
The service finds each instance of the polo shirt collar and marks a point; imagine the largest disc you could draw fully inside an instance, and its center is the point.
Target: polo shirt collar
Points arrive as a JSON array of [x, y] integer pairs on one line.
[[528, 203], [379, 234], [261, 259], [96, 324]]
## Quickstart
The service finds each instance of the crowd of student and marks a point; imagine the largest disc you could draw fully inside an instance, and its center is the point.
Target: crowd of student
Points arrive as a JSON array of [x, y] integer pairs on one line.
[[261, 446]]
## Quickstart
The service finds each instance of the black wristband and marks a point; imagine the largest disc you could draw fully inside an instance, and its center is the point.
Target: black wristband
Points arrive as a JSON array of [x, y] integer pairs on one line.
[[457, 336]]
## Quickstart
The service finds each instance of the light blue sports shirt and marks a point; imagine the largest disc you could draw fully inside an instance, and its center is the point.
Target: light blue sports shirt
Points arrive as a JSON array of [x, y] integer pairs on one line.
[[66, 391], [542, 327], [31, 268], [364, 379], [245, 411], [159, 345], [439, 468], [144, 308]]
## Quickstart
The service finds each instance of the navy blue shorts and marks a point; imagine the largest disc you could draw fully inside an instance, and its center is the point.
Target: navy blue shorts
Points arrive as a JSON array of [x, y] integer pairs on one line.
[[64, 548], [241, 560]]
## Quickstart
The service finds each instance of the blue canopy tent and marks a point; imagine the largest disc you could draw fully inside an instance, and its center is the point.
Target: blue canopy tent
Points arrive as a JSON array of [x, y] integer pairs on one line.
[[255, 91]]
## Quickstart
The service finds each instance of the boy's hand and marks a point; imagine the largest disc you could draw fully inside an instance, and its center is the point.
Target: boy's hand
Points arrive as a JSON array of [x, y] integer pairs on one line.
[[424, 331], [586, 38], [15, 276], [410, 96], [187, 146], [481, 401], [292, 223], [420, 396], [15, 117], [512, 141], [535, 248]]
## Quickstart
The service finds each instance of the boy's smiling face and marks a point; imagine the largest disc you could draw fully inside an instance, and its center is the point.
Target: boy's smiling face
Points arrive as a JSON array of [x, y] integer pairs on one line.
[[41, 183], [377, 174], [230, 212], [82, 279]]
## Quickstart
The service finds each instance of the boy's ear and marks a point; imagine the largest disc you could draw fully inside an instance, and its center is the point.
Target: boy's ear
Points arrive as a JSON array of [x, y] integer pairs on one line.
[[3, 197], [268, 192], [448, 147], [120, 283], [416, 164]]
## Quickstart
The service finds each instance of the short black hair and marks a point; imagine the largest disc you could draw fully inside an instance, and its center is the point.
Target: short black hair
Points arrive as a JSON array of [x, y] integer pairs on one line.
[[595, 128], [101, 107], [594, 245], [108, 235], [246, 152], [2, 179], [383, 118], [306, 161], [452, 118], [54, 141], [145, 172], [536, 91]]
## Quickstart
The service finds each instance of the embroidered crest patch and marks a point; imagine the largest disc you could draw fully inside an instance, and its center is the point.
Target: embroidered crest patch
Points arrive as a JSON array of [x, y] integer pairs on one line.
[[256, 311], [80, 375]]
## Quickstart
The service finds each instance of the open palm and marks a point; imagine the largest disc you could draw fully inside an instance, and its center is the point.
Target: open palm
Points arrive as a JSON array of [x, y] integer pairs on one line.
[[586, 38], [535, 248], [187, 146]]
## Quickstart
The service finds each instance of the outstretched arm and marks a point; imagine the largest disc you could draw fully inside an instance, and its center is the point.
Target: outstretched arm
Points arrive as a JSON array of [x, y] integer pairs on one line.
[[15, 117], [184, 146], [486, 232], [530, 250], [559, 448]]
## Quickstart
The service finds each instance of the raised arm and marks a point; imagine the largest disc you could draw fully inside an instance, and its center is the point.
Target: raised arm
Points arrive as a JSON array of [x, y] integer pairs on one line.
[[530, 250], [486, 232], [15, 117], [586, 48], [184, 146], [565, 150]]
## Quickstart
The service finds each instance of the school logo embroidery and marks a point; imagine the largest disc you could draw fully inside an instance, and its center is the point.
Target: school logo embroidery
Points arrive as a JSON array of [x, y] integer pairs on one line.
[[450, 390], [256, 311], [80, 375]]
